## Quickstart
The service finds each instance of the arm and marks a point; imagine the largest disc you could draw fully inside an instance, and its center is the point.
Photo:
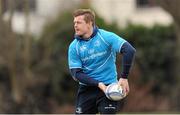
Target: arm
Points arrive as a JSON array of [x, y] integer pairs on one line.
[[128, 53], [120, 45], [78, 75]]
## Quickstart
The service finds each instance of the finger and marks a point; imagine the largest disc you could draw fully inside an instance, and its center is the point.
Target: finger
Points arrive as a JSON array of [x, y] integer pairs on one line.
[[127, 90]]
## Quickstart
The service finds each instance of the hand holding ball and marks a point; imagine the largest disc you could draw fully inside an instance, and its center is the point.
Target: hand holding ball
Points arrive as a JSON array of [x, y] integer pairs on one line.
[[115, 92]]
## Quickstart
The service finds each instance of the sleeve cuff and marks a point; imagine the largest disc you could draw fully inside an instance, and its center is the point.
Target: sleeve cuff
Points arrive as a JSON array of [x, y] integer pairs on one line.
[[123, 76]]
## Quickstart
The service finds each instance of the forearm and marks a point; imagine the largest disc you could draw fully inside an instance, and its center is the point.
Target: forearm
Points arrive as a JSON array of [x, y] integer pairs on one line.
[[127, 59], [78, 75]]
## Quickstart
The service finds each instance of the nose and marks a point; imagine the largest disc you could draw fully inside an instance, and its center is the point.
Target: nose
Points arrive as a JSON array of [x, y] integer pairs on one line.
[[75, 24]]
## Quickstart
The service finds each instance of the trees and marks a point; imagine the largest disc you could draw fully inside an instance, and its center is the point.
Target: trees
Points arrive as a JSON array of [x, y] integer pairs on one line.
[[35, 73], [16, 92], [172, 6]]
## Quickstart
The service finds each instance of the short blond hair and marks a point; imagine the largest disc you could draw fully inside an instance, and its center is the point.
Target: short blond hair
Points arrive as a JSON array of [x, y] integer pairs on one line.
[[89, 15]]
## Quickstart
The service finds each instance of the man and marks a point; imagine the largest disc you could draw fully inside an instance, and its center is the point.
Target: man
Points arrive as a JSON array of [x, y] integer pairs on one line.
[[91, 58]]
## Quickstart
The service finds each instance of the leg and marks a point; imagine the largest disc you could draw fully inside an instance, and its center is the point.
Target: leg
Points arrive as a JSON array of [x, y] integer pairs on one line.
[[86, 100], [106, 106]]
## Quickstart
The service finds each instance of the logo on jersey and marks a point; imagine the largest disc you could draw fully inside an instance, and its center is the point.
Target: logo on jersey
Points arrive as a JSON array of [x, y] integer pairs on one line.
[[82, 48], [97, 43], [94, 55], [91, 51]]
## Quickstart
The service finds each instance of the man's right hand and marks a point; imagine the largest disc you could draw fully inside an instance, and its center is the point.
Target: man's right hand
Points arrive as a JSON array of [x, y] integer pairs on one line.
[[102, 86]]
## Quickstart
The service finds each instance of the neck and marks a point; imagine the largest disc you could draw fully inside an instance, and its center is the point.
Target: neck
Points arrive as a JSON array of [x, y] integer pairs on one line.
[[88, 34]]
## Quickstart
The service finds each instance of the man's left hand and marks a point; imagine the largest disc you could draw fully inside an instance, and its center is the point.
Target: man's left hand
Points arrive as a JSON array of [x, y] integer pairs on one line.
[[125, 85]]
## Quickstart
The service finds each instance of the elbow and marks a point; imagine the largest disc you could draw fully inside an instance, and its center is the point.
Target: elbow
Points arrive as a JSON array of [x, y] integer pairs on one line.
[[74, 73], [132, 51]]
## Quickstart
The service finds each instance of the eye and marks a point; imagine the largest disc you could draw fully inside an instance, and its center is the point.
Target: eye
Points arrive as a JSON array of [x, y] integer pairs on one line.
[[78, 22]]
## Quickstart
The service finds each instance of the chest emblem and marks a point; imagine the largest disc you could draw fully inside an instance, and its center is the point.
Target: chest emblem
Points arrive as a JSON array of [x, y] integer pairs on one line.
[[97, 43], [83, 48]]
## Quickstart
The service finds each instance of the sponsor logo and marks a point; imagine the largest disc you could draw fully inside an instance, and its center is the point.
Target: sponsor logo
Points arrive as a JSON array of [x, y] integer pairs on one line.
[[95, 55], [91, 51], [110, 106]]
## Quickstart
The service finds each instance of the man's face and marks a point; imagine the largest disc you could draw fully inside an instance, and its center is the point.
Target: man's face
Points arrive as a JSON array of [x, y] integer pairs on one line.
[[80, 26]]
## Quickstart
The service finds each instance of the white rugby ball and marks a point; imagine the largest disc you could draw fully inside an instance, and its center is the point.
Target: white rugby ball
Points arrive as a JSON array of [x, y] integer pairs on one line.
[[115, 92]]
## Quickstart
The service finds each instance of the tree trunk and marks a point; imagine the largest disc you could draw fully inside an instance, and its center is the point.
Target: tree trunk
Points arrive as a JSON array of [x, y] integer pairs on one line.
[[12, 55], [0, 9], [27, 42]]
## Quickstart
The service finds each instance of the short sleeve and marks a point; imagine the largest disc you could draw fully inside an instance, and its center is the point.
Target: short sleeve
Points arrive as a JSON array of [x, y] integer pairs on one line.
[[114, 41], [73, 58]]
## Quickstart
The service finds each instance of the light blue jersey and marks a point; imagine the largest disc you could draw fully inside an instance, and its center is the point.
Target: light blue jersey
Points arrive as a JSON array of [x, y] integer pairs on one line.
[[97, 56]]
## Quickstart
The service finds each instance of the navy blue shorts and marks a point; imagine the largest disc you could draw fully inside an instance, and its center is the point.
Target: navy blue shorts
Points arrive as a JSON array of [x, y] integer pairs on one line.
[[91, 100]]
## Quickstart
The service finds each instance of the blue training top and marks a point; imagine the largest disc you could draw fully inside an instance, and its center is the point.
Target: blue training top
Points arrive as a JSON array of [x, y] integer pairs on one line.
[[96, 56]]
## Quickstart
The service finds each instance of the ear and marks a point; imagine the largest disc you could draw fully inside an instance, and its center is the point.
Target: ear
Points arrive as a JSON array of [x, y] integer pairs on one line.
[[90, 23]]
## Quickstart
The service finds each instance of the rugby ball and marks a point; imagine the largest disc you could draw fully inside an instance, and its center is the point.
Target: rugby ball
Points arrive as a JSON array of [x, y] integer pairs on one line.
[[115, 92]]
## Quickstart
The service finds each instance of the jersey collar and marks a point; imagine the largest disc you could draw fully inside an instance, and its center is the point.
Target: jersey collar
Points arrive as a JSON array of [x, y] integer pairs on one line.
[[95, 29]]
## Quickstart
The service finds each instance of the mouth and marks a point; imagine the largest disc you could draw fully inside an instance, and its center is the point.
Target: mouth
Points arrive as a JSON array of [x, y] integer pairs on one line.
[[76, 29]]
